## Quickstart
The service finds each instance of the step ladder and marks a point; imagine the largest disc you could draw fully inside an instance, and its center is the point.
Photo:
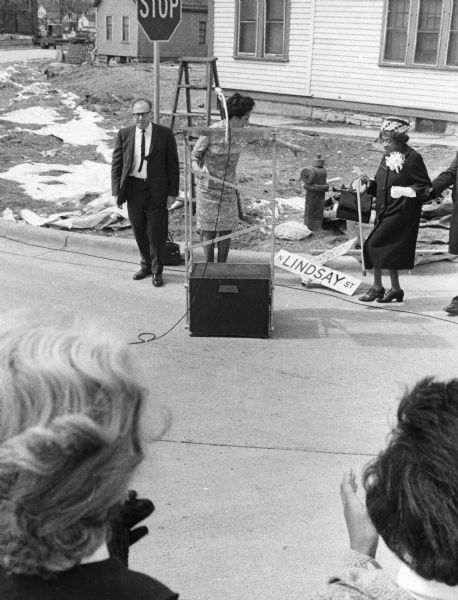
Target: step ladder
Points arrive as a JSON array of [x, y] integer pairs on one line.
[[184, 83]]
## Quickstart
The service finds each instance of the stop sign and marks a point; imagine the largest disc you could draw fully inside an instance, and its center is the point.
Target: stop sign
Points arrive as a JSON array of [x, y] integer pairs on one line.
[[159, 18]]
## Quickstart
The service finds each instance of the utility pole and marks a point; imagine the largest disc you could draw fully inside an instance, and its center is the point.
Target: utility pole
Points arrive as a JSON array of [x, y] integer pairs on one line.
[[34, 16]]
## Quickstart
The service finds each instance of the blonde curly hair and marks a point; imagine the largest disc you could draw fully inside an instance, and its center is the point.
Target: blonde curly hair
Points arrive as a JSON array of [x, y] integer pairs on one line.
[[69, 441]]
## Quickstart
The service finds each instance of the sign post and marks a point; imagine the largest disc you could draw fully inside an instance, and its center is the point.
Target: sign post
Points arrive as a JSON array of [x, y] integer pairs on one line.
[[159, 20]]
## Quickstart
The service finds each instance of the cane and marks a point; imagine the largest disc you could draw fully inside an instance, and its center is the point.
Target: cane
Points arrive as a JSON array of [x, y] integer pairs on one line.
[[360, 222]]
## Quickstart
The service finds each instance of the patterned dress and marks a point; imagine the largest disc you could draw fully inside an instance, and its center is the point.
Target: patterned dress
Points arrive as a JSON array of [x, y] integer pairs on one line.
[[216, 207]]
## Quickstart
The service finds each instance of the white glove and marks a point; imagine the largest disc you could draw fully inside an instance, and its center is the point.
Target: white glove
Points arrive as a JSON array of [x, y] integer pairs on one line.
[[397, 191]]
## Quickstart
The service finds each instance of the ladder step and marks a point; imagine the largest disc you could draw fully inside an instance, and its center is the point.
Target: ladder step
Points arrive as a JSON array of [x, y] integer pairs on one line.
[[197, 59], [192, 86], [197, 113]]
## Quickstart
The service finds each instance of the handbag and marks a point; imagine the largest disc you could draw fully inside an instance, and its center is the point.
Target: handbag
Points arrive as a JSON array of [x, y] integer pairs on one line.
[[172, 253], [348, 206]]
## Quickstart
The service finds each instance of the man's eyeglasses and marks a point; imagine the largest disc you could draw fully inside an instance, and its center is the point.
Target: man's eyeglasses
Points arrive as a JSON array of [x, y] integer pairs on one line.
[[141, 115]]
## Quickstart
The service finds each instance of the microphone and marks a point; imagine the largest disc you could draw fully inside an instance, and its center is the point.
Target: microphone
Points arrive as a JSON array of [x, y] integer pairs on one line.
[[219, 93]]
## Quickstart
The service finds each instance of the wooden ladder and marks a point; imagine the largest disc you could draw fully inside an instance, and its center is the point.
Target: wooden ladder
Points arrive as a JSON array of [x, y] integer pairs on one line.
[[184, 83]]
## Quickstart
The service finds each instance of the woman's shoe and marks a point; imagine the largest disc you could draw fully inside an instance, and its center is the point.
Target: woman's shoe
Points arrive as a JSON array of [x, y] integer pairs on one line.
[[372, 294], [392, 295]]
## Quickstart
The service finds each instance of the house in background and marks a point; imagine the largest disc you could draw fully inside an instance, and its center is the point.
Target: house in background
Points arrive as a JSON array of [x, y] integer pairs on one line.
[[348, 60], [118, 32]]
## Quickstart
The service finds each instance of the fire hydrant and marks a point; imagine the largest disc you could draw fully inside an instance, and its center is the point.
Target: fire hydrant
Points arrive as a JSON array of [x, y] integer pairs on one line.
[[314, 183]]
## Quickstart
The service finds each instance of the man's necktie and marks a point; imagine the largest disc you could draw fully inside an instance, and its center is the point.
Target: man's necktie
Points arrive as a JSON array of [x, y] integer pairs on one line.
[[142, 156]]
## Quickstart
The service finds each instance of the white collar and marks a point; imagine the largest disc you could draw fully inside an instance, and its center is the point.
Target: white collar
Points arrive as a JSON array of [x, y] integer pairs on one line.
[[148, 130], [410, 581]]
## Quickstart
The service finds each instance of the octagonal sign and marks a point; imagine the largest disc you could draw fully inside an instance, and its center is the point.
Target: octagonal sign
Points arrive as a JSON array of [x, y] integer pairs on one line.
[[159, 18]]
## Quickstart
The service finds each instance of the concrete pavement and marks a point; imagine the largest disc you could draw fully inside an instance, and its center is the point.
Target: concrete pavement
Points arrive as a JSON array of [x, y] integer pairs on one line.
[[246, 480]]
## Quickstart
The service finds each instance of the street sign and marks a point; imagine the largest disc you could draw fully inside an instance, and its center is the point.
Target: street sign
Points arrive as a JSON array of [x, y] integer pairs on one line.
[[159, 18]]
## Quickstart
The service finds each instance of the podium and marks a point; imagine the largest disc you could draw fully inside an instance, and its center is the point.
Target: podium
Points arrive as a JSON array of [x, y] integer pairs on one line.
[[230, 300], [227, 299]]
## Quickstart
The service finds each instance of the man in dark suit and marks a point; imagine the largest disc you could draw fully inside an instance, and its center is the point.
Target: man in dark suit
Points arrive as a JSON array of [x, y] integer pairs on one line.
[[145, 172]]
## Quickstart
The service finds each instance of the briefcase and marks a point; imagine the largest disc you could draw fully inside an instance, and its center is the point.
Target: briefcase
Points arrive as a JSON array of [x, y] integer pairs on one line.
[[172, 253]]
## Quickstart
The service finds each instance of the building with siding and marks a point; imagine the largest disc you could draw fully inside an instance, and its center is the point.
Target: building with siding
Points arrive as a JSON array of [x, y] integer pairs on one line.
[[337, 59], [118, 33]]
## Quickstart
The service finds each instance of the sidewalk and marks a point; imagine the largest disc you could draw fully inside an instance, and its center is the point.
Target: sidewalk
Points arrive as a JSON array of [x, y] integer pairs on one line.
[[297, 124]]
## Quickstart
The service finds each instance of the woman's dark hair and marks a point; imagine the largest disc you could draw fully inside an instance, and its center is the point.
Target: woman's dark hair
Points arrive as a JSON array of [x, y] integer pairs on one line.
[[239, 106], [412, 486], [400, 138]]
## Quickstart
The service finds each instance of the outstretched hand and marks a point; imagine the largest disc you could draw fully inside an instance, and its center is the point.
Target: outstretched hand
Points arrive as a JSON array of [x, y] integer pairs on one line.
[[363, 535]]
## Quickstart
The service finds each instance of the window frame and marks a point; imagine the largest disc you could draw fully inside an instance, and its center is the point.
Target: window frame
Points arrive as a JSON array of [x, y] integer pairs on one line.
[[127, 41], [109, 39], [412, 38], [261, 24]]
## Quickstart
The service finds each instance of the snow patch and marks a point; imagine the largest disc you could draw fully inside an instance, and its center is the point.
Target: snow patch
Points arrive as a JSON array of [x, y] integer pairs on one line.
[[38, 115], [37, 180]]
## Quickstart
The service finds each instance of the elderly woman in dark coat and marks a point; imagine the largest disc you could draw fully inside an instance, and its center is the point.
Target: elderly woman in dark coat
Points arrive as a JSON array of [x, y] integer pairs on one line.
[[448, 178], [400, 186]]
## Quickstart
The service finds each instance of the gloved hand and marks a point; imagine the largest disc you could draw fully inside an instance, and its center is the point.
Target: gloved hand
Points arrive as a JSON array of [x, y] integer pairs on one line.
[[397, 191], [122, 520], [363, 180]]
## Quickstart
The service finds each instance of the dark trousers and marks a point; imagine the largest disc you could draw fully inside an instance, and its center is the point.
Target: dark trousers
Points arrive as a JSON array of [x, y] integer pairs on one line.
[[149, 220]]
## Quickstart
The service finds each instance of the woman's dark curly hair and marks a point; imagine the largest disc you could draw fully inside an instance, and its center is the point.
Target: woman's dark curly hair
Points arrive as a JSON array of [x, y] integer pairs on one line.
[[239, 106], [412, 486]]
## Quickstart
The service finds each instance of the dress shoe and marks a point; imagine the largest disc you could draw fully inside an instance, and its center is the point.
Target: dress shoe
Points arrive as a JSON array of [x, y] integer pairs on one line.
[[141, 274], [372, 294], [158, 281], [452, 308], [397, 295]]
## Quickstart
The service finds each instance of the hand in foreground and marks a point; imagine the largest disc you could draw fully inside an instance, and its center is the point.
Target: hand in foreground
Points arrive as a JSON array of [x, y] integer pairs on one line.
[[397, 191], [121, 531], [115, 200], [362, 533]]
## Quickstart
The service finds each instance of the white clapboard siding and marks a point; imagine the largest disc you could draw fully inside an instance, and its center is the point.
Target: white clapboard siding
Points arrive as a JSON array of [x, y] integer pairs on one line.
[[269, 76], [346, 50], [334, 50]]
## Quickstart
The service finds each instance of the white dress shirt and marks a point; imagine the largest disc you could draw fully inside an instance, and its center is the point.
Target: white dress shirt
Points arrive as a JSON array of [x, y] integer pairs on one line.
[[423, 589], [134, 172]]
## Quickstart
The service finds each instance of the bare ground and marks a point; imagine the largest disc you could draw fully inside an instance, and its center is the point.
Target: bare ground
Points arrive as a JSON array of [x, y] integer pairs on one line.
[[109, 90]]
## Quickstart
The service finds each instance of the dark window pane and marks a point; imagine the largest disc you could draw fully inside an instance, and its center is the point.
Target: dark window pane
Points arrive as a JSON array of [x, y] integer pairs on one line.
[[455, 16], [395, 45], [274, 38], [426, 50], [275, 10], [398, 14], [247, 38], [248, 10], [452, 56], [430, 15]]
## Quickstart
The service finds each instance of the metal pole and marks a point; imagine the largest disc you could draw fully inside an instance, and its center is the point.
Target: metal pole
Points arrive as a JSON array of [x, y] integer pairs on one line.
[[272, 233], [360, 223], [187, 237], [157, 79]]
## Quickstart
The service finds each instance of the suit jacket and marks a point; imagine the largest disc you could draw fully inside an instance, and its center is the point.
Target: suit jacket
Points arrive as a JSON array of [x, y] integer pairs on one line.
[[163, 170], [448, 178]]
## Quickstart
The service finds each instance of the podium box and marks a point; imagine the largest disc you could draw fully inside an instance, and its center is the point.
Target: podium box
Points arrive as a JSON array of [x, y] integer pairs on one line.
[[230, 299]]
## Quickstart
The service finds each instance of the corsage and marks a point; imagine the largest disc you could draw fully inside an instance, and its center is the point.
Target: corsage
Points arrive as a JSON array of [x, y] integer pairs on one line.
[[395, 161]]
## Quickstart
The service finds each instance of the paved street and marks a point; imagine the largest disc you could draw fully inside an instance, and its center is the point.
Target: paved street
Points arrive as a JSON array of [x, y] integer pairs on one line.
[[246, 480]]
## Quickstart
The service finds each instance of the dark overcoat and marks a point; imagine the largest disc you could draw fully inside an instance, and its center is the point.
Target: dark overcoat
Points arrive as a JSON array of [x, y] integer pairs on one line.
[[443, 181], [391, 244], [163, 170]]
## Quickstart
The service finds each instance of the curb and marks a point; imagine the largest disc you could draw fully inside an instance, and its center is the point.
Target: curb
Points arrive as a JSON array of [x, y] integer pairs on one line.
[[125, 250], [96, 245]]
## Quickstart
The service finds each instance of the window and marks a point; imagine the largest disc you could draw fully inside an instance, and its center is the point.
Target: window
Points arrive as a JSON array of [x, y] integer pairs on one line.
[[261, 29], [421, 33], [125, 33], [202, 32], [109, 28]]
